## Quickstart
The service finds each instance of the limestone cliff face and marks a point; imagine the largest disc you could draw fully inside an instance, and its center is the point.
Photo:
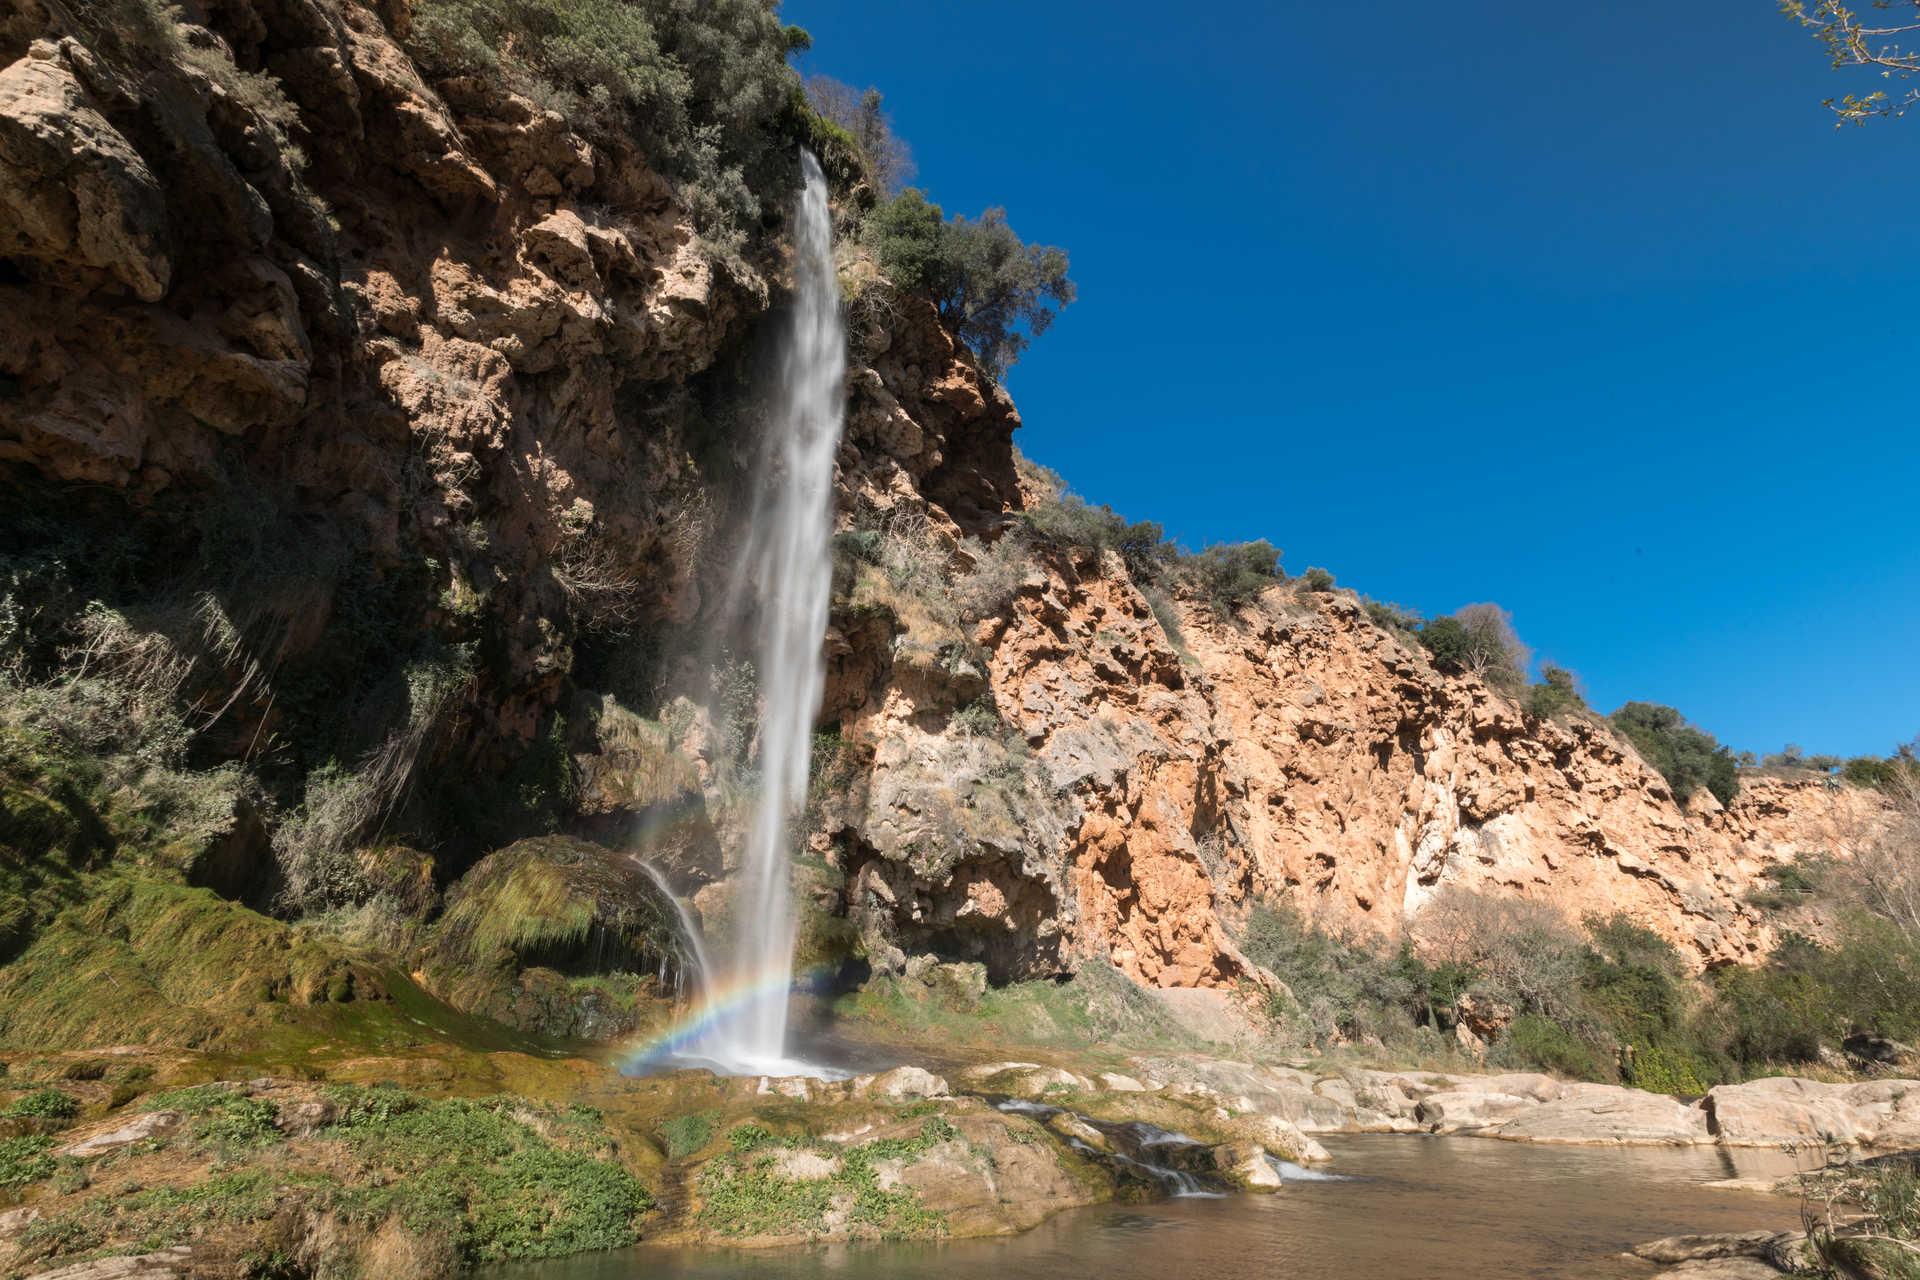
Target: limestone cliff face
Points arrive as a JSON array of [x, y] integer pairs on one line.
[[464, 336]]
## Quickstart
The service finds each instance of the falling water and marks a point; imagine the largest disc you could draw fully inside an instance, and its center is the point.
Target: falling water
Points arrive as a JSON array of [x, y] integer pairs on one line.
[[788, 564], [693, 956]]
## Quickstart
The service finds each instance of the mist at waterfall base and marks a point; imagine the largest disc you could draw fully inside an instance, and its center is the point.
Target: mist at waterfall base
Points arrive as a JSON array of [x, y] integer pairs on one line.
[[784, 579]]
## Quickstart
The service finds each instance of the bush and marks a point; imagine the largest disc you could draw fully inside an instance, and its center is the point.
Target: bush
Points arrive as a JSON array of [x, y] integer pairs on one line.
[[1316, 579], [1557, 694], [1687, 757], [45, 1104], [1540, 1042], [1343, 986], [1392, 617], [1446, 641], [994, 292], [1229, 574], [704, 89]]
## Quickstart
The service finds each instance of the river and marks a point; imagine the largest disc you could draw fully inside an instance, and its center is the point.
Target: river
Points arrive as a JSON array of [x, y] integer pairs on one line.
[[1411, 1208]]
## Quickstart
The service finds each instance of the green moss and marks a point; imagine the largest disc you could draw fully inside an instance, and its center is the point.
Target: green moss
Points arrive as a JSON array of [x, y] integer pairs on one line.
[[686, 1134], [559, 937]]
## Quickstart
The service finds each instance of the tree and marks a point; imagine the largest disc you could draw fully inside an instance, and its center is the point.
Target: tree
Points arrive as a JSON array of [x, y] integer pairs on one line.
[[995, 293], [1478, 638], [888, 161], [1853, 44]]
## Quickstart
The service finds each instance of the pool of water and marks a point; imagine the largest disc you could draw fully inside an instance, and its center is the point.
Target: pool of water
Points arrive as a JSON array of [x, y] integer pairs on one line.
[[1411, 1208]]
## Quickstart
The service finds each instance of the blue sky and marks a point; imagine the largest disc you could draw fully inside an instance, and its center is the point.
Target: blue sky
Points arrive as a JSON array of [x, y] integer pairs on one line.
[[1586, 310]]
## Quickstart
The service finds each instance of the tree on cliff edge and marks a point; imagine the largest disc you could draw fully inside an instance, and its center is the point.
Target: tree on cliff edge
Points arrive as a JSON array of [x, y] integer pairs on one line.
[[995, 292]]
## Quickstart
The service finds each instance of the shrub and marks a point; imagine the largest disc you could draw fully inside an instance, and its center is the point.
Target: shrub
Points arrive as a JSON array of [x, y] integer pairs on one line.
[[1393, 617], [686, 1134], [1557, 693], [25, 1159], [1541, 1042], [1229, 574], [994, 292], [1316, 579], [45, 1104], [1446, 640], [1687, 757], [703, 88], [1343, 986]]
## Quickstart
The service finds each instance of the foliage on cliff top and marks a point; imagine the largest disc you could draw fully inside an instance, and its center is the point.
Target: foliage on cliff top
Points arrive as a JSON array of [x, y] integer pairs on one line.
[[1688, 757], [995, 292], [1479, 638], [704, 89]]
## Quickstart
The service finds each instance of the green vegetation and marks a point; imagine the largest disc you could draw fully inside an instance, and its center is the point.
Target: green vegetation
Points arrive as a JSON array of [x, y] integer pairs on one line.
[[554, 936], [1478, 638], [704, 88], [1893, 773], [860, 121], [1316, 579], [44, 1104], [1557, 694], [480, 1179], [686, 1134], [1864, 1218], [1396, 619], [745, 1192], [1576, 1000], [995, 293], [1228, 575], [1687, 757], [1852, 44], [25, 1160]]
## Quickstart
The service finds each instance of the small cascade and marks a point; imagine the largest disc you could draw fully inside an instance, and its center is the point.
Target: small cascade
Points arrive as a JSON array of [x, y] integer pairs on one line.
[[693, 952], [1291, 1172], [1140, 1150]]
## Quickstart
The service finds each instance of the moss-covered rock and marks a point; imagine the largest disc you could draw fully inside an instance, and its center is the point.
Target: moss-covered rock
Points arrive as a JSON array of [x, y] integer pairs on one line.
[[562, 938]]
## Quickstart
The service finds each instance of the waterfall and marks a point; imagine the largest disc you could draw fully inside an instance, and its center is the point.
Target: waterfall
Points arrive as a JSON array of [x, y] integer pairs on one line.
[[786, 570], [693, 955]]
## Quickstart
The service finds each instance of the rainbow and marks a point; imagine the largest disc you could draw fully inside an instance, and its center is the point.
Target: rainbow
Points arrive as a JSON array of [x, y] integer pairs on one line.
[[681, 1039]]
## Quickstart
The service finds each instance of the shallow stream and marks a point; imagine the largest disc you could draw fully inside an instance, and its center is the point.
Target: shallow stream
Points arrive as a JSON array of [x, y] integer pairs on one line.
[[1409, 1208]]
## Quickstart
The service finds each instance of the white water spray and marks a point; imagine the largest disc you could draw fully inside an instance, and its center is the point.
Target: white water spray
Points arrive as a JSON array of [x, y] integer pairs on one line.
[[786, 567]]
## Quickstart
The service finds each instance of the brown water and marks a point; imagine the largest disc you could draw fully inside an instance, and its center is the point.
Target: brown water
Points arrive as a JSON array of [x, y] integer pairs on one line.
[[1415, 1209]]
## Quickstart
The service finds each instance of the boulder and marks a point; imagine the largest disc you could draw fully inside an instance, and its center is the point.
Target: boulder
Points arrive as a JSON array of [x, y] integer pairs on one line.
[[153, 1124], [1246, 1164], [904, 1084], [1462, 1111], [1602, 1113], [1766, 1113]]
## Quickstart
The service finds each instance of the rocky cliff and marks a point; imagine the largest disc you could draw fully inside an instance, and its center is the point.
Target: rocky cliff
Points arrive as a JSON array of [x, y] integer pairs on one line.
[[427, 411]]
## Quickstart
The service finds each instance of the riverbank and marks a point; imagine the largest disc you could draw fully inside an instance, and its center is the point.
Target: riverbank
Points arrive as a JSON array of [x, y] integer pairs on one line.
[[130, 1152]]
